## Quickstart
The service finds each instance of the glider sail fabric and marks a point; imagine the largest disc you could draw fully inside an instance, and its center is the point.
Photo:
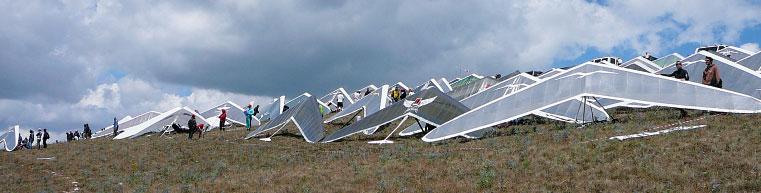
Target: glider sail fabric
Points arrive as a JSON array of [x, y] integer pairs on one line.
[[160, 122], [600, 81], [641, 64], [275, 109], [752, 62], [668, 60], [735, 53], [127, 124], [11, 138], [305, 115], [474, 87]]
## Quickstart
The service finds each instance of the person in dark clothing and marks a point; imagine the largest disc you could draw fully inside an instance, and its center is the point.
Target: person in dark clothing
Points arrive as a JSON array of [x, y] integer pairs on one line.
[[256, 110], [45, 137], [367, 92], [86, 131], [77, 136], [192, 126], [116, 127], [31, 139], [711, 74], [498, 76], [403, 94], [679, 73]]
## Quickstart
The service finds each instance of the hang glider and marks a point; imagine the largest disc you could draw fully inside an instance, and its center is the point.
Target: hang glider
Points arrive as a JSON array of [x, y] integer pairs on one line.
[[599, 81], [126, 122], [430, 106], [161, 122], [579, 110], [305, 115]]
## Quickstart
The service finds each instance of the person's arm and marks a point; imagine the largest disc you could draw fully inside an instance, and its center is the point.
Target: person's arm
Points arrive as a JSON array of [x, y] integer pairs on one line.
[[686, 75]]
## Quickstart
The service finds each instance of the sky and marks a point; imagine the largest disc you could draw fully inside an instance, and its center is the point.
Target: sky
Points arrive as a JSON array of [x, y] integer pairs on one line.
[[64, 63]]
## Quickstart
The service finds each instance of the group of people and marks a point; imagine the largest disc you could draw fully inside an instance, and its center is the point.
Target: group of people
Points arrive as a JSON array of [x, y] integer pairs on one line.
[[41, 136], [711, 76], [399, 93]]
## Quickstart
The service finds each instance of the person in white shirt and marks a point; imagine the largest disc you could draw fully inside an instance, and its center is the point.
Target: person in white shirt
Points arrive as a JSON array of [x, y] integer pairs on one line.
[[340, 102]]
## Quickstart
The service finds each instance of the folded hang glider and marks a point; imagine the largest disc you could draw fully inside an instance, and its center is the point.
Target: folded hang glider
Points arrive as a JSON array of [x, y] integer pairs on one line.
[[162, 122], [127, 122], [599, 81], [305, 115], [430, 106]]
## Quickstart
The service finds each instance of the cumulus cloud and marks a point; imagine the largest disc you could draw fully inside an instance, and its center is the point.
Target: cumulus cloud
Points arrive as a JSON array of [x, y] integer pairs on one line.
[[752, 47], [53, 54]]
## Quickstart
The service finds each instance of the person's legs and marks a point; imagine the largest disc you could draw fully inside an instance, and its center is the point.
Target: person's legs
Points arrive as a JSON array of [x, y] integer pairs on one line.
[[45, 143]]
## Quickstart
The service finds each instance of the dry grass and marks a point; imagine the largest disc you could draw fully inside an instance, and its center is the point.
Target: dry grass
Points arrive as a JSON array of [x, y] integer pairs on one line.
[[533, 157]]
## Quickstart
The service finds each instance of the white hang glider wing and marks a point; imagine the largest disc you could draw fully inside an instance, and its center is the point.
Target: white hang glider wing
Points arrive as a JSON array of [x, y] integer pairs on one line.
[[159, 123], [619, 84]]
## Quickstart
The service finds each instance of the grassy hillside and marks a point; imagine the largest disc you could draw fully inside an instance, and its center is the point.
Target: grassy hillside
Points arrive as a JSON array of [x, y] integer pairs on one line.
[[538, 155]]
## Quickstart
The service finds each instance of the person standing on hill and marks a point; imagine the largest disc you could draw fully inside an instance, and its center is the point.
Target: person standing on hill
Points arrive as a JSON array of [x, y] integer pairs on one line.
[[680, 74], [249, 113], [30, 145], [45, 137], [116, 127], [340, 102], [222, 119], [39, 139], [192, 126], [711, 74]]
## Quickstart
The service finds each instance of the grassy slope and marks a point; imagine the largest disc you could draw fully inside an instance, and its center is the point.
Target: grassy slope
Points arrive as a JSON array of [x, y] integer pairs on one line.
[[533, 157]]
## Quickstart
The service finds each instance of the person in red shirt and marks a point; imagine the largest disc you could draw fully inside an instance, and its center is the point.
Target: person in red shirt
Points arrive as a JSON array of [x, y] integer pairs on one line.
[[222, 119]]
